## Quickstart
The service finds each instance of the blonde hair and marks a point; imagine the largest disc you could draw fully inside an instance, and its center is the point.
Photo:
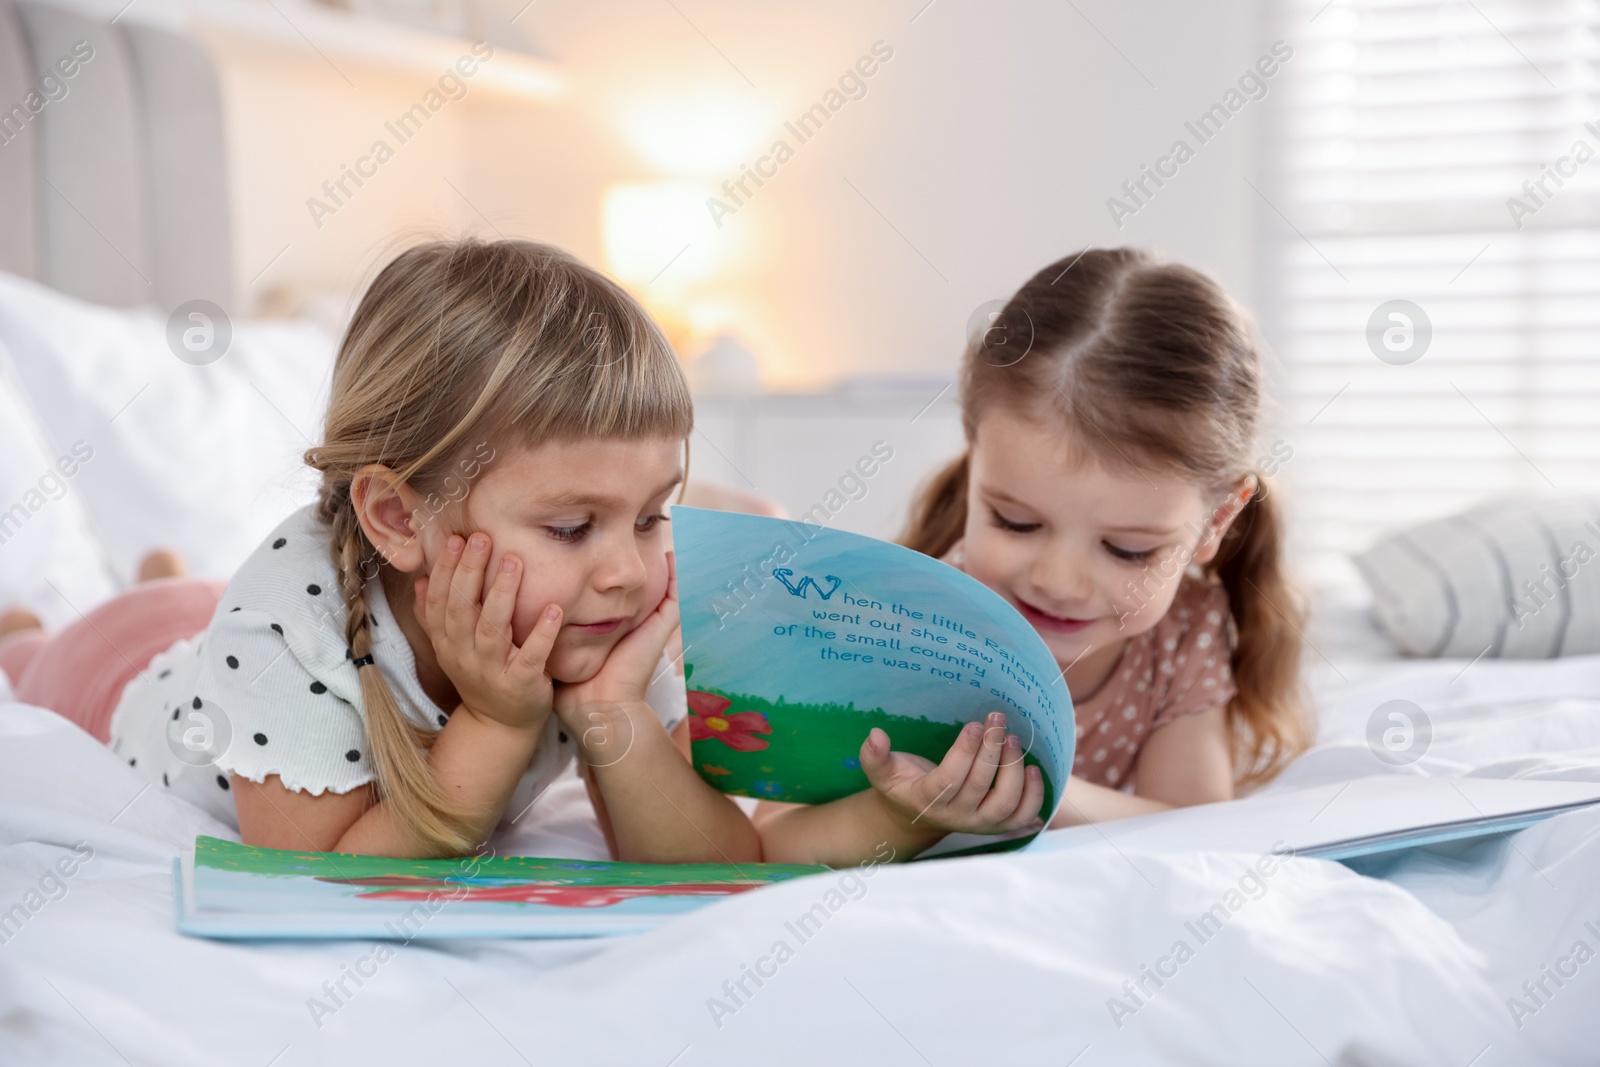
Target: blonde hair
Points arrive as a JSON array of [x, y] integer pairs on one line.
[[1150, 359], [456, 343]]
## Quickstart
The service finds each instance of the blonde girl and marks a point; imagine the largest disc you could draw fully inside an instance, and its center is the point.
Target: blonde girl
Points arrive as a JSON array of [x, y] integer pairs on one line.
[[1109, 492], [480, 594]]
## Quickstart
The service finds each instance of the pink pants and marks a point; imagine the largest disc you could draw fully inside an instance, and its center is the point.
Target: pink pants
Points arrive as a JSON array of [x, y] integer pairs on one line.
[[80, 672]]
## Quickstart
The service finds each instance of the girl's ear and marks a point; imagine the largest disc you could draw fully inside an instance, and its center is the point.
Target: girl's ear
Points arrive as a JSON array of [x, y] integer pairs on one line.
[[386, 508], [1222, 518]]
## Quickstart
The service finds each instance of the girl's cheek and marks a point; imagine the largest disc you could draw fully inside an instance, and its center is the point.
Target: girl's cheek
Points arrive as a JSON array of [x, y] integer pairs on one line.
[[656, 583], [532, 599], [989, 552], [654, 599], [981, 561]]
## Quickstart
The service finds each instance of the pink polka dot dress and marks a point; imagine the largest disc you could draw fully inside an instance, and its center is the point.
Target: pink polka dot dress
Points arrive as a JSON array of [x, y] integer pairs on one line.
[[1178, 667]]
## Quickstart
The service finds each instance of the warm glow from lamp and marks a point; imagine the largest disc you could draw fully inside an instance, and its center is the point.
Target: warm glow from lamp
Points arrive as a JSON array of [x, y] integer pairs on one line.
[[708, 318], [659, 234], [705, 135]]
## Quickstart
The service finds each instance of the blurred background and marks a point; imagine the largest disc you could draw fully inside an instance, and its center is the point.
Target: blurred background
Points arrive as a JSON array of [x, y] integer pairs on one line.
[[268, 155]]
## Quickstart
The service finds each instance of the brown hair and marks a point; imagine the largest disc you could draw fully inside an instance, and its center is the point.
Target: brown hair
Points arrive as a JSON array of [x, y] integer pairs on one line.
[[454, 344], [1153, 362]]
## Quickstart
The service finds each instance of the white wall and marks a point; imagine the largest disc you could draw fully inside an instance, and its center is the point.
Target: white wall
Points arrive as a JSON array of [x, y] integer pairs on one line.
[[860, 459], [984, 149]]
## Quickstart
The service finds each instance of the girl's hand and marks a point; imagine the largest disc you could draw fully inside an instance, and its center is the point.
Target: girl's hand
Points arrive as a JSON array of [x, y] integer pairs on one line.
[[495, 679], [981, 787], [631, 665]]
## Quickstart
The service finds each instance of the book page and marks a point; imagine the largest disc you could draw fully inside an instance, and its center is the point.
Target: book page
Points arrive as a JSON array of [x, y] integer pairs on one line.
[[231, 890], [1342, 819], [798, 640]]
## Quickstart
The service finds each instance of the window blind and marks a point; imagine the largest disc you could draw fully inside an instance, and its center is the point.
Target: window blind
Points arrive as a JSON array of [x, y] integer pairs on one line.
[[1446, 155]]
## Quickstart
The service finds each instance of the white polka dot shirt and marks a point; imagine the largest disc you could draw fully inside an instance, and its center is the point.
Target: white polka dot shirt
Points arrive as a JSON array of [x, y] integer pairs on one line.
[[269, 688]]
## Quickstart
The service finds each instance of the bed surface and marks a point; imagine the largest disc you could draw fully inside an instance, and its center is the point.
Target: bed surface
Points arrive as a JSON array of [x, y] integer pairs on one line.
[[950, 962]]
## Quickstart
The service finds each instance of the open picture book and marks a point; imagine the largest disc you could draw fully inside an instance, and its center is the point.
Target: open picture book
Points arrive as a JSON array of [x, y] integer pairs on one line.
[[1341, 821], [798, 640], [224, 889]]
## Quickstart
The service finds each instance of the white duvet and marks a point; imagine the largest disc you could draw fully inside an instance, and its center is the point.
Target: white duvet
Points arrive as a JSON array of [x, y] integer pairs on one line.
[[1463, 956]]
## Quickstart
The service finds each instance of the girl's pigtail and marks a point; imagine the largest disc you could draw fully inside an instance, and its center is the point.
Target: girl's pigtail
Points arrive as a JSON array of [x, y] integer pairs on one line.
[[397, 746], [939, 514], [1269, 717]]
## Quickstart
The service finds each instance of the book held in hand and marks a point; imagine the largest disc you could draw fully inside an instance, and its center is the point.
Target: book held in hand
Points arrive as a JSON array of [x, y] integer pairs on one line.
[[798, 640]]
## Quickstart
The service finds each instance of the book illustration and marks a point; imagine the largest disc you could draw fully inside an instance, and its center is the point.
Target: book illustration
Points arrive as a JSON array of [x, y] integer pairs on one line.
[[556, 894], [227, 889], [712, 721], [382, 877], [798, 640], [817, 746]]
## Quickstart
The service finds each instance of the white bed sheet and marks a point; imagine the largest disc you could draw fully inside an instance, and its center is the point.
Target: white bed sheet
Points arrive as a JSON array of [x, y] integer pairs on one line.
[[950, 962]]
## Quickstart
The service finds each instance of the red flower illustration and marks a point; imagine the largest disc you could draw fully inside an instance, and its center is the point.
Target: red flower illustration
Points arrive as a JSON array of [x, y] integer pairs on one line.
[[708, 719], [561, 896], [556, 894]]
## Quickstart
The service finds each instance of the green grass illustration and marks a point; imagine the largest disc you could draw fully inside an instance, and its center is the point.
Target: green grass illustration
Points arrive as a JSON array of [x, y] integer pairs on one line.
[[813, 752], [252, 859]]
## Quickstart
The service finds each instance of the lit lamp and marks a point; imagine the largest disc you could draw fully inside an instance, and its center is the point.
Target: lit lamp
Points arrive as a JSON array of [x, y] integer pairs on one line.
[[658, 236], [653, 234]]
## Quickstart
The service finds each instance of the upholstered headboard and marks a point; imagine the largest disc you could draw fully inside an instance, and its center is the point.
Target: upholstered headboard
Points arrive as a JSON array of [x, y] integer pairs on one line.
[[127, 202], [140, 141], [19, 242]]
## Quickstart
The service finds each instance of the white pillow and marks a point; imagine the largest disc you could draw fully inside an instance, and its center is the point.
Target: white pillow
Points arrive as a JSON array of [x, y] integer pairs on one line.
[[201, 459], [50, 561], [1517, 579]]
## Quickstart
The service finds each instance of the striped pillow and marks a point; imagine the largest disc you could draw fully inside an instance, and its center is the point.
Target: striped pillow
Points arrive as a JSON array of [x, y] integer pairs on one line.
[[1516, 579]]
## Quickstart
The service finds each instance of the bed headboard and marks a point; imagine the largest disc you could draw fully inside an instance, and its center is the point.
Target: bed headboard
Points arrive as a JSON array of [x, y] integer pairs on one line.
[[155, 152], [128, 202], [19, 245]]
